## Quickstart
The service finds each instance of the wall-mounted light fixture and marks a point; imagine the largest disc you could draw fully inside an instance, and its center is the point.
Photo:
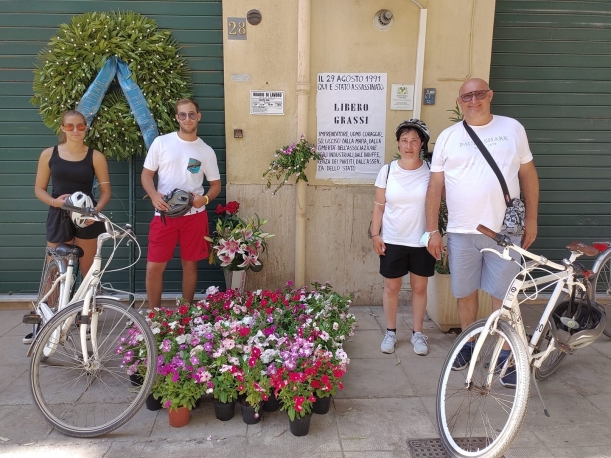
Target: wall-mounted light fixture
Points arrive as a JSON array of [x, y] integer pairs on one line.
[[254, 17], [383, 20]]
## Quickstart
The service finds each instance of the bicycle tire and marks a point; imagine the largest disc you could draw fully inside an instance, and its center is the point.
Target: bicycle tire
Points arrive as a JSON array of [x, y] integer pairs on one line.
[[601, 286], [90, 401], [553, 360], [460, 435]]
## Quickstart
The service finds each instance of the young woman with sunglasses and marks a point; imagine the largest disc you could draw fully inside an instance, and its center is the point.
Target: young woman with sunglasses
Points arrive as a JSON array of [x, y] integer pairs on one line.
[[70, 167]]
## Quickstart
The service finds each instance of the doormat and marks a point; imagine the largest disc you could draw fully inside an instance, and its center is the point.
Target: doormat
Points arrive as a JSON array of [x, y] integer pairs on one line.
[[432, 448]]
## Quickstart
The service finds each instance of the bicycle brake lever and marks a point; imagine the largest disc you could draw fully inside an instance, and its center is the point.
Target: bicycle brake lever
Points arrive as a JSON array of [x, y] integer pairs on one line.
[[505, 254]]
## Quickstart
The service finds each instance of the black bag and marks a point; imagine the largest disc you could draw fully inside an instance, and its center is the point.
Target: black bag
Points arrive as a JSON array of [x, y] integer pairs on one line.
[[513, 223], [369, 230]]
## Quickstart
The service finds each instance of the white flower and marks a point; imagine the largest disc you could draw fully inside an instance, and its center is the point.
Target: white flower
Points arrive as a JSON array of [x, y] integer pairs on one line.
[[181, 339], [156, 330], [335, 326]]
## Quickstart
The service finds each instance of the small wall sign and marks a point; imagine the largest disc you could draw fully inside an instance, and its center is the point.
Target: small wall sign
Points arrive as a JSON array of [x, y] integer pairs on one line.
[[267, 102], [236, 28]]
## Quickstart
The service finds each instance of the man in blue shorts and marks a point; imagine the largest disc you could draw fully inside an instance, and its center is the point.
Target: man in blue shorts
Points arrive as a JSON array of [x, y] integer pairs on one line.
[[474, 196]]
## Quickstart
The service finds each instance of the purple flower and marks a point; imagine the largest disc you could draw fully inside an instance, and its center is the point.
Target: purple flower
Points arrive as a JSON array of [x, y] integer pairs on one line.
[[165, 346], [208, 346], [194, 360]]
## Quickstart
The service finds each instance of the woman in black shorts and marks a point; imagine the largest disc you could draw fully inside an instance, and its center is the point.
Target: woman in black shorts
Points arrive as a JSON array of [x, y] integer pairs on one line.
[[398, 222], [71, 166]]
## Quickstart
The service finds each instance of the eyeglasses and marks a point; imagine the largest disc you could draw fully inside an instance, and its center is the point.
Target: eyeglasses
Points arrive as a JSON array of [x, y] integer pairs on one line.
[[479, 95], [192, 115], [79, 127]]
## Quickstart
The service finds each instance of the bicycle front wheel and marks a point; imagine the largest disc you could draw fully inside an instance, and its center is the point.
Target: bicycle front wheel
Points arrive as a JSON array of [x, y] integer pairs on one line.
[[90, 398], [482, 419], [601, 285]]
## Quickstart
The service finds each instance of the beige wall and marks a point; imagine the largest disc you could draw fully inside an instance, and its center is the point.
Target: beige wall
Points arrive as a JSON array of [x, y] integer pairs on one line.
[[343, 39]]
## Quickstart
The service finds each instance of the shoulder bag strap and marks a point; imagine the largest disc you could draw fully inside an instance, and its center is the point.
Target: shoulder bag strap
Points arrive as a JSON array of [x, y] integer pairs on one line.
[[490, 161]]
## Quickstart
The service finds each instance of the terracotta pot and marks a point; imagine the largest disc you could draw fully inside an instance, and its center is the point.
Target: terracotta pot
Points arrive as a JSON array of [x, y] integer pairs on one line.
[[179, 417], [321, 405], [300, 426]]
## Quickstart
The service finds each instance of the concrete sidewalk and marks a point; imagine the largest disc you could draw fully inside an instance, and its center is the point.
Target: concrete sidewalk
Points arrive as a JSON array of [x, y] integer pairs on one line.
[[387, 401]]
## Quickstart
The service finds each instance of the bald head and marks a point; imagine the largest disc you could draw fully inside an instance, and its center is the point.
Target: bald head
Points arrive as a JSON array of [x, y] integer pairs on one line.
[[473, 84]]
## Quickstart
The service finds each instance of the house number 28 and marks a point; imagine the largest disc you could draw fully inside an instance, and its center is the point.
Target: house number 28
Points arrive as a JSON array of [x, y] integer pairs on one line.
[[236, 28]]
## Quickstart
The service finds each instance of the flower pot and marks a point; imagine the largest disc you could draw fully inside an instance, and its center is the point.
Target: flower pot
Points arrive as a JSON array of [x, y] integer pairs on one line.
[[152, 403], [179, 417], [235, 279], [441, 304], [249, 415], [300, 426], [321, 405], [224, 411], [272, 404], [136, 379]]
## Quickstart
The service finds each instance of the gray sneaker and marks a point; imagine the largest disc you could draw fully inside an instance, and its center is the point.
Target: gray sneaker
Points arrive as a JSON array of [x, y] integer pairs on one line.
[[388, 344], [419, 343]]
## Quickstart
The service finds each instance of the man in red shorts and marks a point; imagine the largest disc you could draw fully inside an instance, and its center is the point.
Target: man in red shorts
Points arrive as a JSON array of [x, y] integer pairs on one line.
[[181, 160]]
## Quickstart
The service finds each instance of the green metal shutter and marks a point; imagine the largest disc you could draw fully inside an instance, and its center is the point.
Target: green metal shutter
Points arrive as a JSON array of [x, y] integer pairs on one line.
[[551, 70], [25, 28]]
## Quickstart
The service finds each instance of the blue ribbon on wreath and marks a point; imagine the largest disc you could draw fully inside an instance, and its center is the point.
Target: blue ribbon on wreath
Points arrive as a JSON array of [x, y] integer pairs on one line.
[[92, 99]]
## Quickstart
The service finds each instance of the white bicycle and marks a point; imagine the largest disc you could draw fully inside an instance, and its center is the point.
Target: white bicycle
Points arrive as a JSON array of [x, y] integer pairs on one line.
[[601, 283], [78, 377], [476, 415]]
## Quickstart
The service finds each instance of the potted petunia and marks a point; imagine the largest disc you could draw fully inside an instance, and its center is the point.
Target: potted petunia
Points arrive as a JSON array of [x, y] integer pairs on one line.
[[237, 244]]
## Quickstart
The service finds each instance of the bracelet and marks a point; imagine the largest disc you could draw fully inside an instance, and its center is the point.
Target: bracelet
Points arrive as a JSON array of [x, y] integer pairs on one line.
[[53, 203], [375, 235], [207, 200], [378, 203]]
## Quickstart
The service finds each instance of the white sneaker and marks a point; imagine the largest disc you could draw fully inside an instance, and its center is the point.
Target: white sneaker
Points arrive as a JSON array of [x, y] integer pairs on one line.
[[388, 344], [420, 344]]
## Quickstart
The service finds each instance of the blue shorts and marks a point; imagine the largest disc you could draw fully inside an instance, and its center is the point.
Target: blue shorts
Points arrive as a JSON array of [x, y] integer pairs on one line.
[[472, 270]]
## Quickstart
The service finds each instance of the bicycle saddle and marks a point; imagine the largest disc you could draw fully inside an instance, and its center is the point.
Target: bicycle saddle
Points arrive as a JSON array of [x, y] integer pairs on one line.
[[582, 248], [63, 249]]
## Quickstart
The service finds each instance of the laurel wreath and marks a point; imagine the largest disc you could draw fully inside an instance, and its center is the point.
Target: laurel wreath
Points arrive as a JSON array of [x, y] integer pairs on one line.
[[77, 53]]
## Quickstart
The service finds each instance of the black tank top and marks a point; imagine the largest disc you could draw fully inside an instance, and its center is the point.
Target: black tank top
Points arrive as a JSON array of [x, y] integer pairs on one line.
[[68, 177]]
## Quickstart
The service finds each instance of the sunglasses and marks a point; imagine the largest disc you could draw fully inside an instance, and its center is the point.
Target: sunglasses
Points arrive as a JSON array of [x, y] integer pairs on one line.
[[79, 127], [479, 95], [182, 116]]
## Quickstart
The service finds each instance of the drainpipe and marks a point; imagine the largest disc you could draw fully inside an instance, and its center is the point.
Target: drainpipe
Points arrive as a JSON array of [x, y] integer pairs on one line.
[[303, 94], [419, 61]]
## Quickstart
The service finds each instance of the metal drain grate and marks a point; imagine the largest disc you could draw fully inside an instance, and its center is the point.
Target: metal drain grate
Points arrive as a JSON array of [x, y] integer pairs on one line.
[[432, 448]]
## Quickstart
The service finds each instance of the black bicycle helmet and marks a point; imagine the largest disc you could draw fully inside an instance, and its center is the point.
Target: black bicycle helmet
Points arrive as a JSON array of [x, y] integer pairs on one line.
[[579, 325], [421, 128], [179, 201]]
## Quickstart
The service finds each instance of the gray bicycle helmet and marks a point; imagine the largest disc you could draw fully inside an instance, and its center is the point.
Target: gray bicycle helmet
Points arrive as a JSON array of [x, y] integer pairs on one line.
[[420, 127], [179, 201], [579, 325]]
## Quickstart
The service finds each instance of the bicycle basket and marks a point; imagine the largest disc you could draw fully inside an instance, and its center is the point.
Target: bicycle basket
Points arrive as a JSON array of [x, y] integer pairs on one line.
[[577, 324]]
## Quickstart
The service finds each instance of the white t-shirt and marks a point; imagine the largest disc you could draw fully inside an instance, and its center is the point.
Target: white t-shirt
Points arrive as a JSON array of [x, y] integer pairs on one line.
[[182, 164], [473, 192], [404, 220]]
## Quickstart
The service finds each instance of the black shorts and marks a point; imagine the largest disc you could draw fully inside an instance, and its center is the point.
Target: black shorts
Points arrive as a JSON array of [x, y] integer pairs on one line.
[[400, 260], [60, 227]]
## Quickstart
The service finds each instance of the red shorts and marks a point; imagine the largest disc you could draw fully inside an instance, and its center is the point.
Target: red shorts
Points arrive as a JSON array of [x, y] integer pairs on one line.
[[188, 231]]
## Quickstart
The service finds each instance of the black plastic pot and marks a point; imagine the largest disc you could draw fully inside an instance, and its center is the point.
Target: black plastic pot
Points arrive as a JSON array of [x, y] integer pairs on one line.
[[300, 426], [321, 405], [224, 411], [152, 403], [272, 404], [136, 379], [249, 415]]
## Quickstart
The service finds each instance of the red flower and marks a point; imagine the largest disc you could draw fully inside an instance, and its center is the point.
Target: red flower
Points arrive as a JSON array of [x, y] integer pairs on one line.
[[256, 352], [244, 331], [186, 320], [311, 398], [232, 207], [338, 373], [152, 315], [294, 377], [341, 385], [264, 302], [220, 210], [183, 309], [252, 361], [315, 384]]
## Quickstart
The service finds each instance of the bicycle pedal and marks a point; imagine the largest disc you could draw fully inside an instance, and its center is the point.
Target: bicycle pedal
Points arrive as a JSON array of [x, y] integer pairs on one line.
[[32, 318]]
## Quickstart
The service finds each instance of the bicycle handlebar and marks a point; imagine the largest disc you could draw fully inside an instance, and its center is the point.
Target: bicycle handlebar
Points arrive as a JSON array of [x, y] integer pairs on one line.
[[505, 241], [85, 211], [92, 212]]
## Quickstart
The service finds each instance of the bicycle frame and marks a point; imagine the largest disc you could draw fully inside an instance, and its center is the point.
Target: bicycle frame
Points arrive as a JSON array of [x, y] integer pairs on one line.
[[85, 292], [511, 310]]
